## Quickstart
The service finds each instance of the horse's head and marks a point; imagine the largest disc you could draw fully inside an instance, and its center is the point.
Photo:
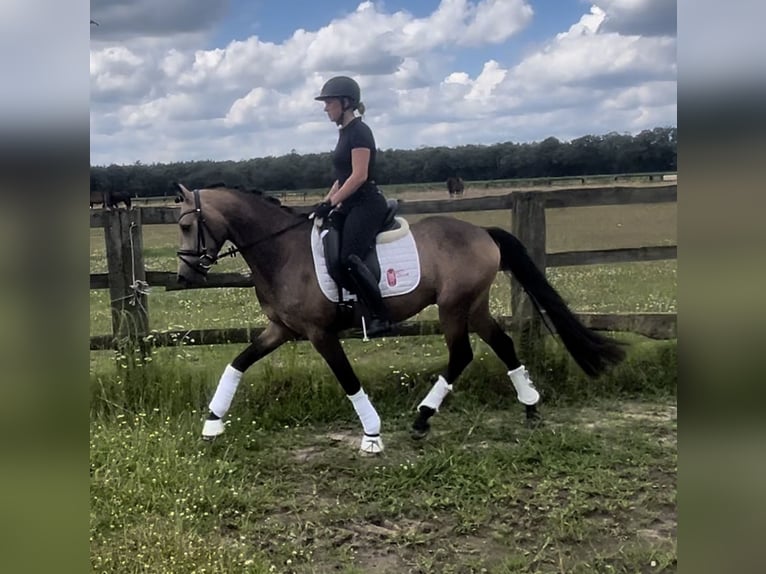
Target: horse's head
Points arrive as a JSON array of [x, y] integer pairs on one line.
[[203, 233]]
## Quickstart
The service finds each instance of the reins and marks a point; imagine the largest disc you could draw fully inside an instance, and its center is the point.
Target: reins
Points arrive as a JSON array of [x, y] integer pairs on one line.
[[233, 250], [202, 251]]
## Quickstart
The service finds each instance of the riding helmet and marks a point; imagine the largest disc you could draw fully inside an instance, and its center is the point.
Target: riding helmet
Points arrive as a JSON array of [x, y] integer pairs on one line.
[[341, 87]]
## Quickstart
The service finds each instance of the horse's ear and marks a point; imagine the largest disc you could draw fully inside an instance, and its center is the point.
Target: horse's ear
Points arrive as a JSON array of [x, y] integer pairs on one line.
[[182, 192]]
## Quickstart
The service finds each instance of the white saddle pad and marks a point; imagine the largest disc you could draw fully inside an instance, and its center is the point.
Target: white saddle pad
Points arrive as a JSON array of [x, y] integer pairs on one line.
[[399, 267]]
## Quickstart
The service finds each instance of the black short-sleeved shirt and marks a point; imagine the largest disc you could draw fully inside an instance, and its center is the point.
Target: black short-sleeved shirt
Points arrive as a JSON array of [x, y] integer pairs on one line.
[[356, 134]]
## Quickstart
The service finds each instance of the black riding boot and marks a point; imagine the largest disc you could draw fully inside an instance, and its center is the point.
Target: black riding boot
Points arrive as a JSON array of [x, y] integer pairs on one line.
[[366, 288]]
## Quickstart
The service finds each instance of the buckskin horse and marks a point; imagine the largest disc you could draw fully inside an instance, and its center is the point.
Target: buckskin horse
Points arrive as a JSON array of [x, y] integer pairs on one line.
[[276, 243]]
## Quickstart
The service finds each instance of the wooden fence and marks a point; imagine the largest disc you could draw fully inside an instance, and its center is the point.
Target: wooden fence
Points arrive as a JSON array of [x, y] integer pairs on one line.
[[127, 277]]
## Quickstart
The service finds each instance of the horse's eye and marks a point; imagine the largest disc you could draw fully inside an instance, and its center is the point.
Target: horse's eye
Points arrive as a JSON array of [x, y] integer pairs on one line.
[[185, 227]]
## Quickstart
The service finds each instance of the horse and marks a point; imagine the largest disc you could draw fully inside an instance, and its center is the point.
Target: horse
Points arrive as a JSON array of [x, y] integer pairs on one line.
[[458, 264], [455, 186], [110, 199]]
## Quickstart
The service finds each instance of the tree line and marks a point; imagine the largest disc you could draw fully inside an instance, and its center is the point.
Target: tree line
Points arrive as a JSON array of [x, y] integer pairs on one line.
[[652, 150]]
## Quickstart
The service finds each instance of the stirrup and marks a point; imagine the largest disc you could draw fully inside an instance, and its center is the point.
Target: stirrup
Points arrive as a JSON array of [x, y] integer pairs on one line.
[[371, 444], [212, 429]]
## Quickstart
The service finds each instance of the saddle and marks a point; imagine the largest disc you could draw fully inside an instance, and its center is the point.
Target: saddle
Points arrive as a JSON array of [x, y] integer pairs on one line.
[[393, 228]]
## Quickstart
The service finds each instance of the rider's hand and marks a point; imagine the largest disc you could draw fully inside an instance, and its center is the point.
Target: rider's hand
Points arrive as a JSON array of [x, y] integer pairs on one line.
[[323, 210]]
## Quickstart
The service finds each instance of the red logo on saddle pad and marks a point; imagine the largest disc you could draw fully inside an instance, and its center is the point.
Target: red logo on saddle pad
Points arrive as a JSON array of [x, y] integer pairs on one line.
[[391, 277]]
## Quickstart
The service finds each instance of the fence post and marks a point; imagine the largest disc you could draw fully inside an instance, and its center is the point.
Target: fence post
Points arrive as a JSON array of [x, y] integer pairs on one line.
[[528, 225], [127, 276]]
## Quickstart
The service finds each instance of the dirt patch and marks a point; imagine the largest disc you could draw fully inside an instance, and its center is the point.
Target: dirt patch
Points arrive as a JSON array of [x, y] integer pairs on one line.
[[628, 413], [306, 454], [425, 506], [344, 438]]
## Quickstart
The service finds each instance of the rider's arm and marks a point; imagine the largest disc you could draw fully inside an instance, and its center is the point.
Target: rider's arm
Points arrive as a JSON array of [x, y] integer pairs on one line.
[[360, 161], [332, 191]]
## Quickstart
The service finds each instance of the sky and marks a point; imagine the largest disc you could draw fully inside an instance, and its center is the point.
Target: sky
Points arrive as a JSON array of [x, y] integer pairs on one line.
[[183, 80]]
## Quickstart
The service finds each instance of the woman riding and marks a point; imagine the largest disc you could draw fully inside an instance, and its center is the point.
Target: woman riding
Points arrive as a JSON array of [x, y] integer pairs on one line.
[[354, 203]]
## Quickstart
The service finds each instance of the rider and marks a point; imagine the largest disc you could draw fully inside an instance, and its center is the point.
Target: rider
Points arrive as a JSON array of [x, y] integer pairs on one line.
[[355, 202]]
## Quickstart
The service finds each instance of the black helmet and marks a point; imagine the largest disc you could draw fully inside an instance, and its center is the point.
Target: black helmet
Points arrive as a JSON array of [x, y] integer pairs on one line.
[[341, 87]]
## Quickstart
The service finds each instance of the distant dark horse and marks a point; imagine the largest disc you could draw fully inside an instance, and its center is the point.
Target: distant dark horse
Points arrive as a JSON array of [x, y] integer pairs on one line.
[[455, 186], [458, 262], [110, 199]]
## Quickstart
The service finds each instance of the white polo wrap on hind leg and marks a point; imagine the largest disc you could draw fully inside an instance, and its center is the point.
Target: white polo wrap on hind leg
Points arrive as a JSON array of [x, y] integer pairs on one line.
[[436, 395], [525, 388], [224, 393], [366, 412]]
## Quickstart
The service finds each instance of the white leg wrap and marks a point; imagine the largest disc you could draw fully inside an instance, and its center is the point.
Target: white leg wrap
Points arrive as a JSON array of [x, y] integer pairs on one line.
[[525, 388], [436, 395], [366, 413], [224, 393]]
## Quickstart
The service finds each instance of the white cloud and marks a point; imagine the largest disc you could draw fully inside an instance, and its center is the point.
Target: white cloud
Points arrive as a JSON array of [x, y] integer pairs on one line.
[[581, 56], [117, 70], [496, 21], [251, 97], [646, 95], [586, 26], [491, 76], [165, 110]]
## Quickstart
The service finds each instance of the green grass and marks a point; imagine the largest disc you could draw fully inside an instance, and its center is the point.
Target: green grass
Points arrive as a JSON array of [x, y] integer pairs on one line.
[[294, 385], [285, 491], [593, 491]]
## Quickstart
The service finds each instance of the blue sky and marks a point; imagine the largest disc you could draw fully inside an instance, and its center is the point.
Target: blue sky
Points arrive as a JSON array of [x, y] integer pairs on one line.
[[275, 21], [229, 80]]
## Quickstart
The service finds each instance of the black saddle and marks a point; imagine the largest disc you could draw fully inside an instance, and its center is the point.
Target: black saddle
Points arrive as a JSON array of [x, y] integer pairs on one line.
[[390, 223]]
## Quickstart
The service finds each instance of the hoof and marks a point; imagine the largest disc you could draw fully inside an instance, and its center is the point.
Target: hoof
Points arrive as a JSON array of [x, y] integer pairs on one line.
[[212, 429], [371, 444], [421, 427]]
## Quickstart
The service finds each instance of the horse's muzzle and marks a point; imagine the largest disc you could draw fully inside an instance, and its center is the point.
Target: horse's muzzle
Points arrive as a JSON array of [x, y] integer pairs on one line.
[[191, 273], [185, 280], [195, 265]]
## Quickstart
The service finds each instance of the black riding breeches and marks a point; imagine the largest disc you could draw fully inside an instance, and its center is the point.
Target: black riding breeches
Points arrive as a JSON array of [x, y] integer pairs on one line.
[[361, 224]]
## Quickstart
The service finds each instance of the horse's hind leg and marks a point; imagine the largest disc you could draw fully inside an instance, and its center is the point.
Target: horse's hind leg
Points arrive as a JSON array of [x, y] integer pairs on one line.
[[328, 345], [455, 327], [492, 334], [269, 339]]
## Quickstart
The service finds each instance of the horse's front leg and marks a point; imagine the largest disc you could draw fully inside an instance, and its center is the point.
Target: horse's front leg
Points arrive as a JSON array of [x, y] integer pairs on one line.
[[328, 345], [272, 337]]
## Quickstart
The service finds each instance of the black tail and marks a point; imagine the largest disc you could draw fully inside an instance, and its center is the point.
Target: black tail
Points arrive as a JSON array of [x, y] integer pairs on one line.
[[591, 350]]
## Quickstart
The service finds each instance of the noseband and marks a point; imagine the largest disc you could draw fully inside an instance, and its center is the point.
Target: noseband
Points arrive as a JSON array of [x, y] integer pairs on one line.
[[205, 258]]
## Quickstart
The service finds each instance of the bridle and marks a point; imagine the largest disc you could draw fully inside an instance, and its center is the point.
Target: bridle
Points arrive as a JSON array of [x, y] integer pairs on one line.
[[205, 257]]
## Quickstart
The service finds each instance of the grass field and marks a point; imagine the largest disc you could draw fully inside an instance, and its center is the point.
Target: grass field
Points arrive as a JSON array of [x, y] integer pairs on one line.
[[594, 491], [284, 490]]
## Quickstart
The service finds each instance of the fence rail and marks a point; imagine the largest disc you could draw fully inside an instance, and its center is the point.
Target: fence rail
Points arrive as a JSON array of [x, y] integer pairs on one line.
[[127, 275]]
